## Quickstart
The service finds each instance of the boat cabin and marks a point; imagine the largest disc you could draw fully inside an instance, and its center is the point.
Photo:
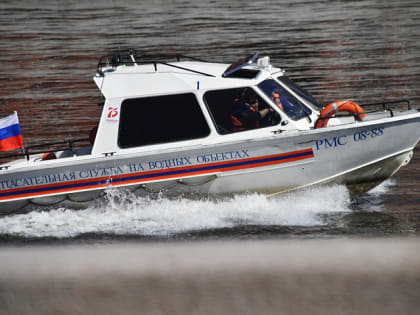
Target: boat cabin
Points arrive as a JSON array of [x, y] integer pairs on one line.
[[153, 105]]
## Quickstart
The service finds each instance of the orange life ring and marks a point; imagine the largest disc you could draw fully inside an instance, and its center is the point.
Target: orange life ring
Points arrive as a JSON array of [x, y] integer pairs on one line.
[[339, 106]]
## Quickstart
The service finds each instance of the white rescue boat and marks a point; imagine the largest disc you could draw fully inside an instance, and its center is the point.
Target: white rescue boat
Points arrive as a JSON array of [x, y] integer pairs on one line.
[[192, 126]]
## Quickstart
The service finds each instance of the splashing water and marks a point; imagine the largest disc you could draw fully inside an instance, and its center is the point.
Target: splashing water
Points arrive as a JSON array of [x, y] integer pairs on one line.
[[373, 200], [382, 188], [125, 214]]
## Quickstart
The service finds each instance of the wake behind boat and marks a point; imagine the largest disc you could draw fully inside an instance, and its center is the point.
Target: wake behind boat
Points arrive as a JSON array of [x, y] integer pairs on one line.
[[192, 126]]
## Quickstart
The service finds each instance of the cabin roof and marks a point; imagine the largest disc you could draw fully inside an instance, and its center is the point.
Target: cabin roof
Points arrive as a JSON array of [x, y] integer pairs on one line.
[[157, 78]]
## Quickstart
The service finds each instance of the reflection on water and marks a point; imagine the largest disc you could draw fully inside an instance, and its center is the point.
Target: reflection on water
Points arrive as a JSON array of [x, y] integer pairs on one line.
[[367, 51]]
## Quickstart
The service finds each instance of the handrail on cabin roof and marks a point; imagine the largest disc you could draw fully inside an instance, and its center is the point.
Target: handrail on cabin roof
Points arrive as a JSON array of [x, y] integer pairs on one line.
[[130, 58], [115, 60]]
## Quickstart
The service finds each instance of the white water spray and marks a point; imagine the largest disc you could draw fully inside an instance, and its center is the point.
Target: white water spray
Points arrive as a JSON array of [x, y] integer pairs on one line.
[[125, 214]]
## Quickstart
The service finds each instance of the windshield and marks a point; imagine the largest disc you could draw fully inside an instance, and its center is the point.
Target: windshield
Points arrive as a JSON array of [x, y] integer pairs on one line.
[[300, 91], [240, 64], [287, 102]]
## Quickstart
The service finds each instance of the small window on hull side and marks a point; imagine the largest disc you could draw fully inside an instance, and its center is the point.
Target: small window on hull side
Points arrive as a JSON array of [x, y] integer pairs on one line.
[[161, 119]]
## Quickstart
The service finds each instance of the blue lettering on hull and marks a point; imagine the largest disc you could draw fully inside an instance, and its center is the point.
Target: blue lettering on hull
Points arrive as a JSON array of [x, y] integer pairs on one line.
[[338, 141]]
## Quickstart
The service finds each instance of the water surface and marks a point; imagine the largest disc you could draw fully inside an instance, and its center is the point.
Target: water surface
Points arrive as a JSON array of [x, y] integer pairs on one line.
[[367, 51]]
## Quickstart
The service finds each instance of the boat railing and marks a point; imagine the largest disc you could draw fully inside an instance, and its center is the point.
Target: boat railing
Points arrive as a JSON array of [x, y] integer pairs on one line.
[[67, 145], [133, 59], [386, 106]]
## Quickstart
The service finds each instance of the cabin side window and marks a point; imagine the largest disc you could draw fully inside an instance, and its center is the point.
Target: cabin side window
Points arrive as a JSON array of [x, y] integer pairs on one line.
[[161, 119], [239, 109]]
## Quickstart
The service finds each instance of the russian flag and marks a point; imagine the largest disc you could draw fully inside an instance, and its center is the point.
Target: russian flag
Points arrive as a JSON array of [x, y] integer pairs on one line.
[[10, 134]]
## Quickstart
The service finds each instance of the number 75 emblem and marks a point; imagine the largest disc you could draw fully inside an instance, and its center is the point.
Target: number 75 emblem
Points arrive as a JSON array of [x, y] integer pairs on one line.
[[112, 112]]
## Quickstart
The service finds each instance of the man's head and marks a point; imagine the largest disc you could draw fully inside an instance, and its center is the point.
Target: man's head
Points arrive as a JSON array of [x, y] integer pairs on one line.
[[250, 97]]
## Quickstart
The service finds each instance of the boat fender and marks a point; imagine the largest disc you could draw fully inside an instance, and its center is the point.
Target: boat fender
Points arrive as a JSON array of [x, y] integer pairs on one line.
[[339, 106], [48, 156]]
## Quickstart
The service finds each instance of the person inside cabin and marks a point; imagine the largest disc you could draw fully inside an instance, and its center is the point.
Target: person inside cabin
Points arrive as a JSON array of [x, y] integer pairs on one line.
[[285, 103], [246, 112], [275, 96]]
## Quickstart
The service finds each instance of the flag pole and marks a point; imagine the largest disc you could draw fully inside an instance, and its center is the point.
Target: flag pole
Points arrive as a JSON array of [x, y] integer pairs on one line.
[[22, 148]]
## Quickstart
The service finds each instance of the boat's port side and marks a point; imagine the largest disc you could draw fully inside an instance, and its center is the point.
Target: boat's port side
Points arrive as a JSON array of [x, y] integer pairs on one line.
[[367, 177], [207, 128]]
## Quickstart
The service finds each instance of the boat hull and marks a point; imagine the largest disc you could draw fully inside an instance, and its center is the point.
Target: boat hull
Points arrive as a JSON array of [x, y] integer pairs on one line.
[[355, 154]]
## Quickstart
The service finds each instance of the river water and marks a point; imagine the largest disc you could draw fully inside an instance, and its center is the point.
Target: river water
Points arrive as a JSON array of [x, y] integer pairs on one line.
[[367, 51]]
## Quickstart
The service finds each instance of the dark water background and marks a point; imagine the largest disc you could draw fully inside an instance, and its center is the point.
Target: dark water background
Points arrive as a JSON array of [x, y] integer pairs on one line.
[[367, 51]]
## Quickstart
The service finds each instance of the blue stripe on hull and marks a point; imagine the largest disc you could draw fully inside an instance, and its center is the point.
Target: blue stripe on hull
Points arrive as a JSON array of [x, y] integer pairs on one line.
[[184, 171]]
